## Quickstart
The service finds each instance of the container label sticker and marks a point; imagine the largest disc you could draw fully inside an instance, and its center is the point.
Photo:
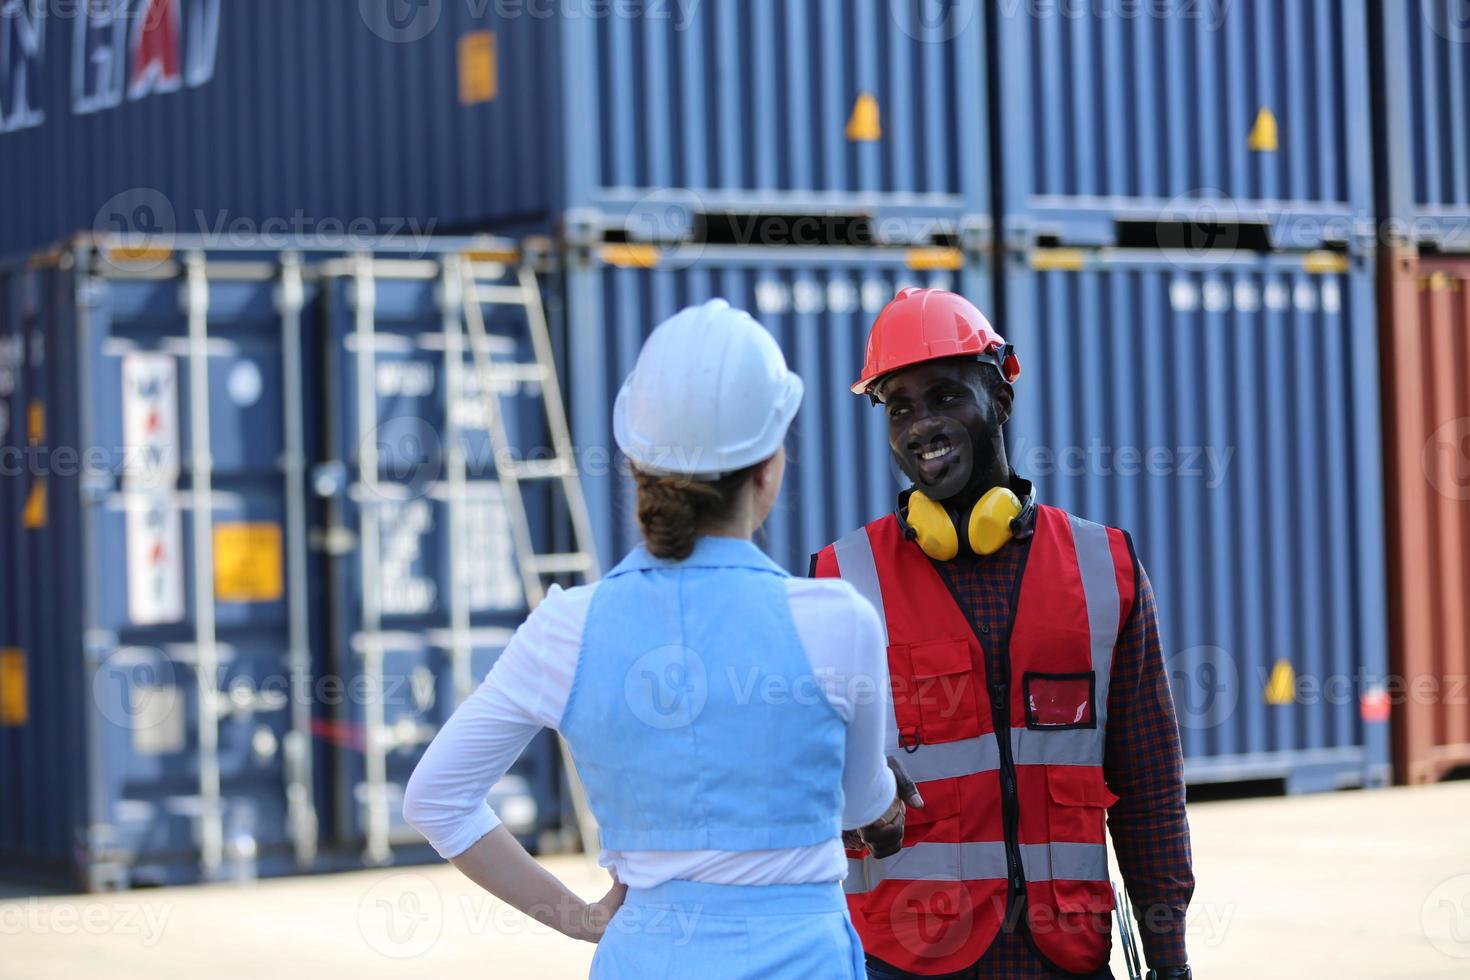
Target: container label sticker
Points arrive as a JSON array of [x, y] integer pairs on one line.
[[1183, 296], [1331, 298], [1281, 688], [487, 559], [35, 510], [402, 589], [150, 386], [863, 125], [14, 695], [247, 562], [155, 560], [158, 716], [479, 80], [1264, 137]]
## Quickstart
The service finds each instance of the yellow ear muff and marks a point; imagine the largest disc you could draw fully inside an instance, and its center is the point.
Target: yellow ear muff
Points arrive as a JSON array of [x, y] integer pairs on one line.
[[990, 520], [933, 529]]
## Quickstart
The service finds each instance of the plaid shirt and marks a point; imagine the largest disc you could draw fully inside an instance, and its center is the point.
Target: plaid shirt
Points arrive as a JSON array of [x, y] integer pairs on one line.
[[1142, 763]]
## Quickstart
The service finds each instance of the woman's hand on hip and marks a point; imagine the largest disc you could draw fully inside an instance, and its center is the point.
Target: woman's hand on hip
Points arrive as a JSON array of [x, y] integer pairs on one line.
[[597, 915]]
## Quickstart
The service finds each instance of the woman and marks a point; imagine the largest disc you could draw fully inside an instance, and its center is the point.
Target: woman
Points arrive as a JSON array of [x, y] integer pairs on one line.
[[720, 769]]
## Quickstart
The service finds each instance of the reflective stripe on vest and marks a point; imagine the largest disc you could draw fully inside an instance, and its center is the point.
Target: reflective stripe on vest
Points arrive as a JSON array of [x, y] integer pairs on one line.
[[977, 861], [968, 756], [1076, 747], [1100, 587]]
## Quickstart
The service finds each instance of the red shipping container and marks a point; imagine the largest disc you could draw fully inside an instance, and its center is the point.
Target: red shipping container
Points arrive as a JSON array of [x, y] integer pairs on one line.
[[1426, 357]]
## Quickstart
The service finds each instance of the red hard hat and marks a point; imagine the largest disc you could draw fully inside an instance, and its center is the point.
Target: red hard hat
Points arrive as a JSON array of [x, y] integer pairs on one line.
[[928, 324]]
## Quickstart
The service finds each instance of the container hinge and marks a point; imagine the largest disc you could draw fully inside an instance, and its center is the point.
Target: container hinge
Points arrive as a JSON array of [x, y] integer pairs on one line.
[[97, 487], [98, 645], [334, 541], [90, 291]]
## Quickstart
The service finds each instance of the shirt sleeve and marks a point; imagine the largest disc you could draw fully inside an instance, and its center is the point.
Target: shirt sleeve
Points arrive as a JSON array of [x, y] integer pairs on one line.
[[524, 692], [844, 643], [1145, 768]]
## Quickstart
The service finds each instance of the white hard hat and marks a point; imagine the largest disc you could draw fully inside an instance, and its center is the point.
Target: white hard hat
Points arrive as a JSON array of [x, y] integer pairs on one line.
[[710, 394]]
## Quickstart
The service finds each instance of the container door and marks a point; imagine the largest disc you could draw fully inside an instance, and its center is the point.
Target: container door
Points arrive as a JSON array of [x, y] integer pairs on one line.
[[425, 583], [192, 559]]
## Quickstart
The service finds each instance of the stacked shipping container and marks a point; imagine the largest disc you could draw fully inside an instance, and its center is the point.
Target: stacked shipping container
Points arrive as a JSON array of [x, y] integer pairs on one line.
[[1422, 71], [189, 690], [209, 118], [1183, 189]]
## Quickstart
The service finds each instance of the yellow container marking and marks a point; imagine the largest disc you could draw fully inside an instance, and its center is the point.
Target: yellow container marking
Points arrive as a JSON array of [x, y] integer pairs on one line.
[[247, 562]]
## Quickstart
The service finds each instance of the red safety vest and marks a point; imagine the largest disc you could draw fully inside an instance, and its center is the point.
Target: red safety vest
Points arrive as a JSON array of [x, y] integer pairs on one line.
[[1002, 817]]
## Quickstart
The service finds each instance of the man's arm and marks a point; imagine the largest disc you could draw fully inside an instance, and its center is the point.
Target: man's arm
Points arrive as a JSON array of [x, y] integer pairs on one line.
[[1145, 768]]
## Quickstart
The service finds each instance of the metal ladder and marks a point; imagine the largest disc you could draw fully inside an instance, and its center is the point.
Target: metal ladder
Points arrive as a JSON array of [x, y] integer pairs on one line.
[[482, 285]]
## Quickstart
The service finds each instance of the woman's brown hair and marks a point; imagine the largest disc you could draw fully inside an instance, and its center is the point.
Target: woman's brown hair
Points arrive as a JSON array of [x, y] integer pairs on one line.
[[672, 510]]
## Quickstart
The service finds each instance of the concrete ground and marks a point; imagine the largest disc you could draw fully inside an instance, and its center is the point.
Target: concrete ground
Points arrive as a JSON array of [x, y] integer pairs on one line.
[[1344, 885]]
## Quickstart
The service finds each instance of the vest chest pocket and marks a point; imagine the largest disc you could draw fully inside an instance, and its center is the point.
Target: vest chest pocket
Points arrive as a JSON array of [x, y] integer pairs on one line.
[[944, 690], [1060, 701]]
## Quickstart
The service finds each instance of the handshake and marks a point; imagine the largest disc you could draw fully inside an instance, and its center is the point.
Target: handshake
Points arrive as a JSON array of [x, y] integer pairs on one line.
[[884, 836]]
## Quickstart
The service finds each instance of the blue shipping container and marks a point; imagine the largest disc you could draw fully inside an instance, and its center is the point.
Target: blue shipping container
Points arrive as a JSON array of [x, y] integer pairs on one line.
[[189, 691], [1209, 115], [1225, 410], [819, 304], [250, 122], [430, 588], [1423, 140]]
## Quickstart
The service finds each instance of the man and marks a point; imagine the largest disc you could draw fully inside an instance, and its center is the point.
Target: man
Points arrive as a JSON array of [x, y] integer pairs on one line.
[[1028, 687]]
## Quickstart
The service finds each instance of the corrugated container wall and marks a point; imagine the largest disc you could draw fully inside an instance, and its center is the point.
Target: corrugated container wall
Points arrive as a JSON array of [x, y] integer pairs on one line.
[[1423, 141], [1249, 113], [819, 304], [1426, 345], [136, 391], [1225, 411], [256, 121]]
